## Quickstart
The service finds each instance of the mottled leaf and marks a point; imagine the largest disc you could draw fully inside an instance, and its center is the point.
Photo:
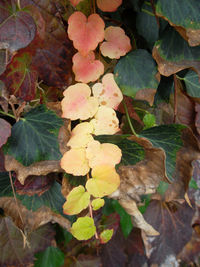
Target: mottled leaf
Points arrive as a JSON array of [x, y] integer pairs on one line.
[[5, 131], [50, 257], [34, 138], [173, 54], [136, 71], [184, 16], [20, 78]]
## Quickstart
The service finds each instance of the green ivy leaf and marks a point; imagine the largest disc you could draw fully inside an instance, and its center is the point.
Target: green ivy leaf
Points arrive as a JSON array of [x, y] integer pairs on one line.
[[146, 24], [83, 228], [136, 71], [192, 84], [184, 14], [51, 257], [131, 151], [167, 137], [173, 54], [34, 138], [149, 120]]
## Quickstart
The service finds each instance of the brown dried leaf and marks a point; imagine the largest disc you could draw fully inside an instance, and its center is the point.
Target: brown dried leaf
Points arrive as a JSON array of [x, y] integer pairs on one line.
[[31, 220], [146, 95], [5, 131], [38, 168]]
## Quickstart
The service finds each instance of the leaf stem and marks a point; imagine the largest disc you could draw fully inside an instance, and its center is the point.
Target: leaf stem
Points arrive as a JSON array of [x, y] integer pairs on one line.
[[175, 97], [128, 118], [7, 114]]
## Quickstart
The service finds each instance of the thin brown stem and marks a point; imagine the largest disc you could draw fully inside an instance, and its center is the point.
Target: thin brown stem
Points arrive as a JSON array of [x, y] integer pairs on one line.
[[154, 11], [175, 97], [18, 209]]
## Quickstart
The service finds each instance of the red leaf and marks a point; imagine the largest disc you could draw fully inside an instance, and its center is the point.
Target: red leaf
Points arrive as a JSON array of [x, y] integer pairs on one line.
[[17, 28], [20, 77], [5, 131]]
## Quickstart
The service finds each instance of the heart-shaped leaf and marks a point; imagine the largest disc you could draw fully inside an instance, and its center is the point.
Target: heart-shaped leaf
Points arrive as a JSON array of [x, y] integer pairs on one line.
[[85, 33], [77, 200], [83, 228]]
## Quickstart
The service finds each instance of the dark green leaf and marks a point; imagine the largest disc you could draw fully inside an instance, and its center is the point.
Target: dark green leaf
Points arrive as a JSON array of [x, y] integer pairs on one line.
[[162, 188], [192, 84], [34, 138], [131, 151], [193, 184], [125, 218], [167, 137], [51, 257], [146, 24], [145, 199], [183, 14], [173, 53], [164, 90], [136, 71], [5, 187]]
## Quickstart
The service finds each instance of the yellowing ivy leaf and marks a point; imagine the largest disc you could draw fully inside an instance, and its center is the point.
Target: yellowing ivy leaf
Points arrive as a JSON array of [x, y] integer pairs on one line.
[[104, 182], [98, 203], [106, 235], [83, 228], [77, 200]]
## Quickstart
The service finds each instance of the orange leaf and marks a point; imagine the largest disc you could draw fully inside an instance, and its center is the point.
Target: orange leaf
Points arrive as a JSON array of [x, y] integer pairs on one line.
[[108, 5], [117, 45], [75, 2], [85, 33], [86, 68]]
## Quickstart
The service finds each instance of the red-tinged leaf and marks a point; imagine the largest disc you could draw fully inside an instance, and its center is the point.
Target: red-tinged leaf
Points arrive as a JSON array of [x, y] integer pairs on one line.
[[34, 185], [173, 222], [75, 2], [87, 69], [20, 77], [112, 221], [85, 33], [112, 254], [17, 28], [5, 131]]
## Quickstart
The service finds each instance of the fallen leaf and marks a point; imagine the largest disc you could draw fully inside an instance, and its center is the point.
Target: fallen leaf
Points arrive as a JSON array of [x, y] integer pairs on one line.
[[85, 33], [38, 168], [117, 43], [18, 249], [86, 68]]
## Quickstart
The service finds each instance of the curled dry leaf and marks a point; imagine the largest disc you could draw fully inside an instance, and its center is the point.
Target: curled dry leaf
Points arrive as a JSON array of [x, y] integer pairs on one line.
[[108, 92], [78, 102], [38, 168], [108, 5], [117, 43], [85, 33], [31, 220], [86, 68]]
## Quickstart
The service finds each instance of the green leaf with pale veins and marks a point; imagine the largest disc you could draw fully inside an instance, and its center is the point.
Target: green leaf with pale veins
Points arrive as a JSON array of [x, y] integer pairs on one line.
[[184, 14], [51, 257], [192, 83], [167, 137], [34, 138], [83, 228], [136, 71], [132, 152], [173, 54]]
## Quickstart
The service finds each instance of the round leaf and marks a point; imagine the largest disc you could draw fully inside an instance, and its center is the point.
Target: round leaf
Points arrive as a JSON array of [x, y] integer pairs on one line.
[[97, 203], [83, 228], [106, 235]]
